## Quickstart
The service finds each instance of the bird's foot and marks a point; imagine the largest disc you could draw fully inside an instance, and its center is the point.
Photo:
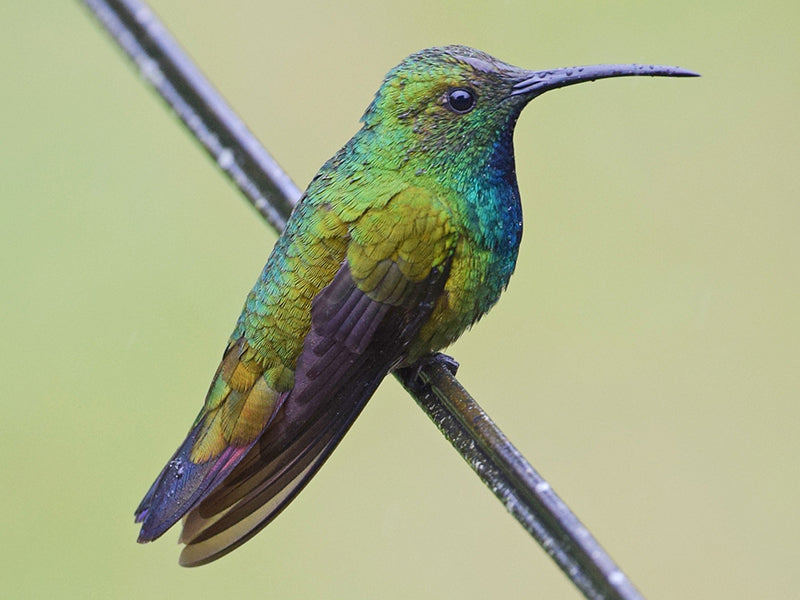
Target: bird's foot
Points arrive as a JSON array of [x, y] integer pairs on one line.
[[413, 377], [445, 360]]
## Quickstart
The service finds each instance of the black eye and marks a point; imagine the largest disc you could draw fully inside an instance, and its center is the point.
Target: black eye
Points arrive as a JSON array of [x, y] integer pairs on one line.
[[460, 100]]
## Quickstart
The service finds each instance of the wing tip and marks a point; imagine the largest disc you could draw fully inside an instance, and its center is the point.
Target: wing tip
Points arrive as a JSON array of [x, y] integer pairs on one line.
[[152, 529]]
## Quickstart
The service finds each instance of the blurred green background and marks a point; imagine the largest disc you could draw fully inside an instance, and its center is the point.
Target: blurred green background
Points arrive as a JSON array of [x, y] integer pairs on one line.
[[646, 358]]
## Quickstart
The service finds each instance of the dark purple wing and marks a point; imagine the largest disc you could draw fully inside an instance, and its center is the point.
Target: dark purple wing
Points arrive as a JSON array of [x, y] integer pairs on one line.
[[353, 343]]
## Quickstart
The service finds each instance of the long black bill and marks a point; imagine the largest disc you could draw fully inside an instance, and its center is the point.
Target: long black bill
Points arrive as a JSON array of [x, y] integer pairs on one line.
[[539, 82]]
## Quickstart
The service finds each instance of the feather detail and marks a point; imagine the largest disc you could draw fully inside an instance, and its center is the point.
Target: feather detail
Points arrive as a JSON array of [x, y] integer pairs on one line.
[[353, 343], [324, 324], [227, 427]]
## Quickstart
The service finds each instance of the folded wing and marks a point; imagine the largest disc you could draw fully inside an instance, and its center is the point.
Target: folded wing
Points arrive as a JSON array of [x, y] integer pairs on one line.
[[396, 264]]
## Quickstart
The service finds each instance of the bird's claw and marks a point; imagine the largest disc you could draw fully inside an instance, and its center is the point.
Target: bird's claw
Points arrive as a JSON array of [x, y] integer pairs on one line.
[[412, 375]]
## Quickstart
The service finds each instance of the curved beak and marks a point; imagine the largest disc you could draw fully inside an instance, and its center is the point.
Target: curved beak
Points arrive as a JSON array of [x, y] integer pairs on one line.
[[535, 83]]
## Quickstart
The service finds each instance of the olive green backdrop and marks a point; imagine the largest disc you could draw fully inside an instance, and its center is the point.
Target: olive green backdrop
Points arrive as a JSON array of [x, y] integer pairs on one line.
[[646, 358]]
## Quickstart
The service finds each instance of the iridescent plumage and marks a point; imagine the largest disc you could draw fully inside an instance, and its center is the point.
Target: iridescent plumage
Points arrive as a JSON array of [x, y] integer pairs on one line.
[[403, 240]]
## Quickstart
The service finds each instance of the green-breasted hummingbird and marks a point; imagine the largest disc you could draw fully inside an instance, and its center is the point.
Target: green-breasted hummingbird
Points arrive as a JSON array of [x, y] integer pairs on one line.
[[402, 241]]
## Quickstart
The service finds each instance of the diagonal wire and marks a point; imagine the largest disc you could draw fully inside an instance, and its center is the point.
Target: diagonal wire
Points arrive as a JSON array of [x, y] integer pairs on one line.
[[524, 493]]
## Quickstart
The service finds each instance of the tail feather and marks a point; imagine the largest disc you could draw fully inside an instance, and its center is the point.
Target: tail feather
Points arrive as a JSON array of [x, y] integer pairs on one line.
[[334, 380], [247, 501], [181, 485], [229, 490], [229, 425]]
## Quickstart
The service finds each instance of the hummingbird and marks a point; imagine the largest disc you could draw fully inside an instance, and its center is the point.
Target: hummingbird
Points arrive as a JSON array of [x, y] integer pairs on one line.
[[404, 239]]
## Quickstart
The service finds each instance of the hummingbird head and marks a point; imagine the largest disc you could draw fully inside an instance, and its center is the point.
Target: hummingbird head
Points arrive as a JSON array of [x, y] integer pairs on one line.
[[446, 105], [455, 106]]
